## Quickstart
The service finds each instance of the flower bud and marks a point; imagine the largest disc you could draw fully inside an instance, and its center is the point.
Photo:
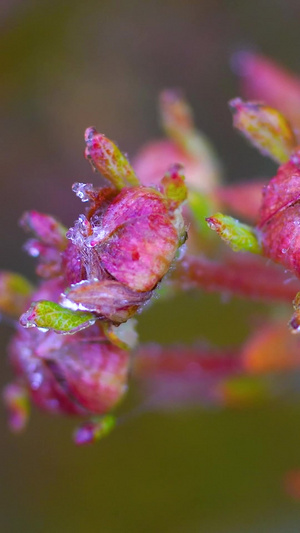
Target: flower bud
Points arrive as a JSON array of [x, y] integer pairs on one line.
[[79, 374], [262, 79], [143, 238], [45, 228], [106, 157], [279, 220], [48, 243], [187, 146], [265, 128], [134, 241]]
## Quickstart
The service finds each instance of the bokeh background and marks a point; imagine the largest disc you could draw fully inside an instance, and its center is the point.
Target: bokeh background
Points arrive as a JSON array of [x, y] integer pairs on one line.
[[68, 65]]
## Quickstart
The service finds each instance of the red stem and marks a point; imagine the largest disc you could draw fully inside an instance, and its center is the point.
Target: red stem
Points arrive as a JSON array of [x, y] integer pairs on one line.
[[238, 274]]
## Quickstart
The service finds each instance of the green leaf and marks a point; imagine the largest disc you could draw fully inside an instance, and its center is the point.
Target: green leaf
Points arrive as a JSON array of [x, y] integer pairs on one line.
[[240, 237], [49, 315]]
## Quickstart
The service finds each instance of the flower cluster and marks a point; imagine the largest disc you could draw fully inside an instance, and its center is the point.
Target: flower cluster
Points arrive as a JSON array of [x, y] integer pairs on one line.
[[75, 341], [70, 354]]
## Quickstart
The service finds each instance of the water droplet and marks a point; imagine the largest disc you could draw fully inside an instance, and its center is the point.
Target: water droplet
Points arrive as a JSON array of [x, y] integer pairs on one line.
[[83, 191]]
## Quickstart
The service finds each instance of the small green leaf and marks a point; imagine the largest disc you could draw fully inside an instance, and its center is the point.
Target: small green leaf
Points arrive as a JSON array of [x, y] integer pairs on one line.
[[49, 315], [240, 237]]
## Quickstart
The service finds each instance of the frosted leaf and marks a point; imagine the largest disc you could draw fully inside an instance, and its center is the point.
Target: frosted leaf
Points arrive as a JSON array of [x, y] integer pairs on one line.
[[47, 315]]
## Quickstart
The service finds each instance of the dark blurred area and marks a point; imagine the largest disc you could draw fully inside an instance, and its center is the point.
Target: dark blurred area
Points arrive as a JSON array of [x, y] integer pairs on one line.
[[68, 65]]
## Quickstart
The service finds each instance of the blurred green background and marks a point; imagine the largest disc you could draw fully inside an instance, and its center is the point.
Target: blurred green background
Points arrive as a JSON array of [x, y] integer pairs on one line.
[[68, 65]]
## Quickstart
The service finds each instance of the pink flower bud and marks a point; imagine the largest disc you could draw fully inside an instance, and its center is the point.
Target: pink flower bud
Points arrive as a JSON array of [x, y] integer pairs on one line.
[[50, 240], [134, 241], [64, 356], [262, 79], [280, 216], [143, 238], [77, 374], [45, 228], [106, 157], [187, 146]]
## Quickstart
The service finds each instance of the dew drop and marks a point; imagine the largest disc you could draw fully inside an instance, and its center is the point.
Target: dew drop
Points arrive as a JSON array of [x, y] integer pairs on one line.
[[83, 191]]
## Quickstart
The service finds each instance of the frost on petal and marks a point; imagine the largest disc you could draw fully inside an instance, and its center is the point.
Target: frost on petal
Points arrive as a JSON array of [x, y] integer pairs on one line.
[[108, 298], [265, 128], [14, 293], [48, 315], [106, 157]]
